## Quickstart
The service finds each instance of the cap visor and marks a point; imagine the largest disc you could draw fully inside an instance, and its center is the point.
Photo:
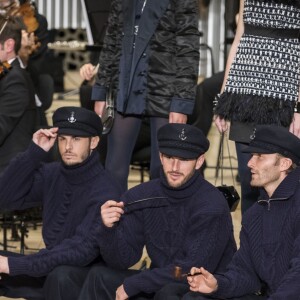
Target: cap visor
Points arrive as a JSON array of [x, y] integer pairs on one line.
[[179, 153], [73, 132], [252, 149]]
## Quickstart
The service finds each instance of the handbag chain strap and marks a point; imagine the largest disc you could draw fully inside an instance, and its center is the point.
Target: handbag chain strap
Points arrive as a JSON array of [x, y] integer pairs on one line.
[[221, 159]]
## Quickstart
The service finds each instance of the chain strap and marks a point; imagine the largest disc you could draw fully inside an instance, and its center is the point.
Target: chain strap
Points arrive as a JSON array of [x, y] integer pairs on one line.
[[221, 159]]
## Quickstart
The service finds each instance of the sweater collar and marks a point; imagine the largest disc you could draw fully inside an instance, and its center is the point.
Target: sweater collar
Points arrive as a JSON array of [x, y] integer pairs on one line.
[[83, 171], [184, 191], [285, 189]]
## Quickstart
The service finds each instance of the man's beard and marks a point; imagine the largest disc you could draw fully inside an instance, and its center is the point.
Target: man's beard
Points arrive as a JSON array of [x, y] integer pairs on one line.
[[184, 179]]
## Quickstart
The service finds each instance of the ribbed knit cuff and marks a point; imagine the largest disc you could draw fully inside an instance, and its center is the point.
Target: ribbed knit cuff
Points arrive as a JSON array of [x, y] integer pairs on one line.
[[222, 287], [36, 153], [129, 287], [19, 266], [107, 233]]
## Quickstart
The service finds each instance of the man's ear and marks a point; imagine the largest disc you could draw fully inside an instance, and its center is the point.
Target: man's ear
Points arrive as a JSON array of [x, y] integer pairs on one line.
[[200, 161], [94, 142], [285, 163]]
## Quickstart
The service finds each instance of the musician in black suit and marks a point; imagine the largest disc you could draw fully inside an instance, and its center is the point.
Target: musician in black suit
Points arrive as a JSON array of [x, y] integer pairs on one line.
[[17, 101]]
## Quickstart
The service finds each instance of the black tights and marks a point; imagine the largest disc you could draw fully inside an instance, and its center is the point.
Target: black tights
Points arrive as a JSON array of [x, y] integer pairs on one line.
[[121, 142]]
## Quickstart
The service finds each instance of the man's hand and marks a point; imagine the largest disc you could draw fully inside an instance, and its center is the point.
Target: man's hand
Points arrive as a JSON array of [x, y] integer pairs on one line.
[[204, 283], [45, 138], [221, 124], [111, 212], [4, 268], [177, 118], [88, 71], [99, 108], [121, 294], [295, 125]]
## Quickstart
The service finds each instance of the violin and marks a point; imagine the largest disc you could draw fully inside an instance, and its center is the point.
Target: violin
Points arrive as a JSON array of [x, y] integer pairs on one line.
[[4, 68], [26, 11]]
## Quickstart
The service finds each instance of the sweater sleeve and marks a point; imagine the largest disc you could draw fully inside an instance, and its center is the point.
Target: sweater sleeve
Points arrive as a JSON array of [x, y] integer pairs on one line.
[[122, 245], [79, 250], [240, 278], [187, 56], [289, 287], [20, 183]]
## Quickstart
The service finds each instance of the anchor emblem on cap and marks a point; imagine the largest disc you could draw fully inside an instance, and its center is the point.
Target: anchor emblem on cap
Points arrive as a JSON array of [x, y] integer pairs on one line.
[[72, 118], [252, 136], [182, 135]]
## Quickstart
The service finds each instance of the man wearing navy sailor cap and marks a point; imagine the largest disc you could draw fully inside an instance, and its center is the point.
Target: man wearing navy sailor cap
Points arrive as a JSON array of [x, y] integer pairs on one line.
[[180, 218], [267, 264], [71, 192]]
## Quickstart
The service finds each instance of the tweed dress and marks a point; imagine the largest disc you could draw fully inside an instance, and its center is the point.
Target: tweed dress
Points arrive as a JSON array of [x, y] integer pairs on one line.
[[263, 82]]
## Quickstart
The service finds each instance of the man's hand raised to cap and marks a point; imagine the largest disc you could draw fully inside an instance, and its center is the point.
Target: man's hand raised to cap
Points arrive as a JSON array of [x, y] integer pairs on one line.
[[111, 212], [45, 138]]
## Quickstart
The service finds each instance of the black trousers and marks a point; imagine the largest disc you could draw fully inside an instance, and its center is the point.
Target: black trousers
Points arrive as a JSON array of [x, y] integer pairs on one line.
[[65, 282], [178, 291], [22, 286], [102, 283]]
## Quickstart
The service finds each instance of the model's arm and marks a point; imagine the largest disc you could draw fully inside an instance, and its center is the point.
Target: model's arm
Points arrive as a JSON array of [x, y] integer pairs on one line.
[[221, 122], [109, 57], [186, 60]]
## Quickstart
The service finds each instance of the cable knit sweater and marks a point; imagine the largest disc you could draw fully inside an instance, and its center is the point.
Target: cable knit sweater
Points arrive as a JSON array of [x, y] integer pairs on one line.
[[71, 198], [186, 226], [270, 247]]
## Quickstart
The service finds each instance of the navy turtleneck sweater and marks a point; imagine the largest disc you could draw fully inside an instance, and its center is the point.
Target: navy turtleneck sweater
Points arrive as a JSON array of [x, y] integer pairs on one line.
[[71, 198], [270, 246], [186, 226]]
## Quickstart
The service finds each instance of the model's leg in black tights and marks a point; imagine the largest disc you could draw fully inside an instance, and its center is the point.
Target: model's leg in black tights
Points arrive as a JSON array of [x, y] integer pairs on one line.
[[155, 164], [120, 144]]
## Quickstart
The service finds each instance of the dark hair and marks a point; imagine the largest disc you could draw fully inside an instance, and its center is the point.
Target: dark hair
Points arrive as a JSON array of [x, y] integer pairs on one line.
[[11, 28]]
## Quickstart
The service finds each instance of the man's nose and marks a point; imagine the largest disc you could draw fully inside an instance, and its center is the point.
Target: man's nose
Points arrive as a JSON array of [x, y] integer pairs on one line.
[[69, 145], [250, 162], [175, 164]]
